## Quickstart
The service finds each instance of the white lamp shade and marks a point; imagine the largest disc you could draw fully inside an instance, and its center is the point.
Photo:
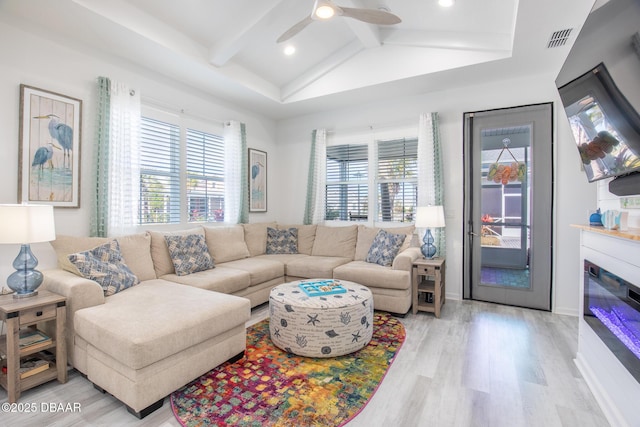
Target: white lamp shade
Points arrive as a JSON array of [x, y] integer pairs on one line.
[[20, 224], [430, 217]]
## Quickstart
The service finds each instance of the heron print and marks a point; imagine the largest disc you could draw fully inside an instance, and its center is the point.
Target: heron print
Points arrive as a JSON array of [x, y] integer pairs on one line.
[[257, 181], [51, 143]]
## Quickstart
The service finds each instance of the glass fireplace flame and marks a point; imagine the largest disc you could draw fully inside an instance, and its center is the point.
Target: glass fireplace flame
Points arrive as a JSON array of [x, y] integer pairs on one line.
[[612, 310]]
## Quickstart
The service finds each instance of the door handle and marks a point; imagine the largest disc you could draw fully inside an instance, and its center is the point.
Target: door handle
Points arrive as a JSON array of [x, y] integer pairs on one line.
[[471, 233]]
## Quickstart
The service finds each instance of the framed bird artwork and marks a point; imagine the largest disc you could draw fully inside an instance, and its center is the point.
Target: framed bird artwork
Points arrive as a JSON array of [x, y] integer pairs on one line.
[[49, 147], [257, 180]]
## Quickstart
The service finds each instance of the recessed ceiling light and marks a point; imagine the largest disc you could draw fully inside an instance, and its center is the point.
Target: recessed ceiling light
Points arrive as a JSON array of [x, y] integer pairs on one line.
[[446, 3], [289, 50], [325, 11]]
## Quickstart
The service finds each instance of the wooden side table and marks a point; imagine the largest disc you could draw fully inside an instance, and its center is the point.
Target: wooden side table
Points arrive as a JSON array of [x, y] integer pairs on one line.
[[428, 278], [27, 312]]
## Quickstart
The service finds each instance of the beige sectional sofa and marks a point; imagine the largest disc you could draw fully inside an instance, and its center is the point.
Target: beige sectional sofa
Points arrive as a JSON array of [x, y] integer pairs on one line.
[[146, 341]]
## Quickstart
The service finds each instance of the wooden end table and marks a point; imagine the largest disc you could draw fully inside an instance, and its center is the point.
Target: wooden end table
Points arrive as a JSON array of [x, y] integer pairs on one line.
[[23, 313], [428, 278]]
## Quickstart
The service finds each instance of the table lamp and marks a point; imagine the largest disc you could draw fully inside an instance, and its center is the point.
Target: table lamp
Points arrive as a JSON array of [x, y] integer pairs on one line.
[[25, 224], [429, 217]]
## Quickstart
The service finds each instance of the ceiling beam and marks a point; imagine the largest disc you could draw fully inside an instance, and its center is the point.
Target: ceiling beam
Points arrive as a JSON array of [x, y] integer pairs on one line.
[[317, 71], [368, 34], [130, 17], [253, 26]]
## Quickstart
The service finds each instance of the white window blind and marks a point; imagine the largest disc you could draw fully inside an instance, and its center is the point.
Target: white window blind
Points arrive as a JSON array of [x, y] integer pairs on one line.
[[159, 172], [205, 176], [397, 180], [347, 183]]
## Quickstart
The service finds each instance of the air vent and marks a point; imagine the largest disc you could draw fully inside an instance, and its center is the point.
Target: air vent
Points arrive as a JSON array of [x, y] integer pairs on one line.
[[559, 38]]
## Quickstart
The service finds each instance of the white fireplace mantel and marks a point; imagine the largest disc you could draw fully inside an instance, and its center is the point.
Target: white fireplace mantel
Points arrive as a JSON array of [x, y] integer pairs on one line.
[[615, 389]]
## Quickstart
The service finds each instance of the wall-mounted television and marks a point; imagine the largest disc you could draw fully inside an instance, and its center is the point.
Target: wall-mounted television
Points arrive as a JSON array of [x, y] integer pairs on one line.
[[605, 126], [599, 85]]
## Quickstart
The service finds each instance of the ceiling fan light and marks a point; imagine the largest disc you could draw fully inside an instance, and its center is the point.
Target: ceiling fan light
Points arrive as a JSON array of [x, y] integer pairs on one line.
[[325, 11], [289, 50], [446, 3]]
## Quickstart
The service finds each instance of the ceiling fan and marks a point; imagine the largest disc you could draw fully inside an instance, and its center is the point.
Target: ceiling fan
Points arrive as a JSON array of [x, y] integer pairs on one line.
[[326, 9]]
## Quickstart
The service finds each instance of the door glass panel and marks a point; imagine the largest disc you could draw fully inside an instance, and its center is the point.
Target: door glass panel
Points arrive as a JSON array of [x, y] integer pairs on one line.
[[505, 197]]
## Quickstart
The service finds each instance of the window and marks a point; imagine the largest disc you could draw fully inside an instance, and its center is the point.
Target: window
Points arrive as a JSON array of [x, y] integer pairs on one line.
[[397, 180], [347, 182], [205, 176], [394, 176], [159, 172], [162, 200]]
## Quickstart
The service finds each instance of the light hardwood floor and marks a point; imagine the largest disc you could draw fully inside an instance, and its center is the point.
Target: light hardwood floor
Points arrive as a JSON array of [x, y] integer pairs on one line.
[[479, 364]]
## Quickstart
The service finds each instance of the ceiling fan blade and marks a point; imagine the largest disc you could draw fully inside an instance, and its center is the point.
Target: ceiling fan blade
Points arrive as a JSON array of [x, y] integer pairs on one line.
[[295, 29], [371, 16]]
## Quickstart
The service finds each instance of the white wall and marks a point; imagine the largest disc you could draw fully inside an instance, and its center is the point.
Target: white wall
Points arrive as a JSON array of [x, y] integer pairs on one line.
[[573, 197], [34, 61]]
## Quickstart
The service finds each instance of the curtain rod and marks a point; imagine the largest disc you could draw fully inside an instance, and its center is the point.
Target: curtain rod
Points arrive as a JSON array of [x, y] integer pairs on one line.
[[152, 102], [377, 127]]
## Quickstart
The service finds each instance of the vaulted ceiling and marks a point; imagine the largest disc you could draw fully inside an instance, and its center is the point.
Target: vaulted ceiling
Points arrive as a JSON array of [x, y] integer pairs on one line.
[[228, 49]]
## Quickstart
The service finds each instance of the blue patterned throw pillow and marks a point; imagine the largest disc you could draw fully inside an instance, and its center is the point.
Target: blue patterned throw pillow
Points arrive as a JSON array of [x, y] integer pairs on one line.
[[384, 248], [282, 241], [189, 253], [105, 265]]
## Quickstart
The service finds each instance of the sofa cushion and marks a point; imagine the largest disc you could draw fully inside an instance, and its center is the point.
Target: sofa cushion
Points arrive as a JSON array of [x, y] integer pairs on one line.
[[384, 248], [373, 275], [282, 241], [226, 280], [283, 258], [255, 236], [260, 269], [335, 241], [226, 243], [367, 234], [67, 245], [306, 236], [189, 253], [135, 250], [157, 319], [314, 267], [162, 262], [105, 265]]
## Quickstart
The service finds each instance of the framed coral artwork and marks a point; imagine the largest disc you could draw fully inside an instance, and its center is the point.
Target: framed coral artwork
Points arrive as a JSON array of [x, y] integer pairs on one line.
[[49, 148], [257, 181]]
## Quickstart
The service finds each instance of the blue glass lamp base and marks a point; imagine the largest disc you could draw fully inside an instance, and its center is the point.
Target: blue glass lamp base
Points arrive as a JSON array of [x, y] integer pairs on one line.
[[26, 279], [428, 249]]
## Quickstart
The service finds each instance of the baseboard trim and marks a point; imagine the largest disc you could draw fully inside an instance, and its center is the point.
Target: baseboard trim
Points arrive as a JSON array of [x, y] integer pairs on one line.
[[566, 311]]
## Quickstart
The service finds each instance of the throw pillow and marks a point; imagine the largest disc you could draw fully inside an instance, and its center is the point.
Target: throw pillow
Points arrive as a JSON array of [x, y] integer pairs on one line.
[[384, 248], [282, 241], [189, 253], [105, 265]]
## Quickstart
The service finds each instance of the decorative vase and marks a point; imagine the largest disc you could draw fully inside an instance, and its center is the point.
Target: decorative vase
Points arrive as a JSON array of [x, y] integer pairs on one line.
[[611, 219], [595, 219]]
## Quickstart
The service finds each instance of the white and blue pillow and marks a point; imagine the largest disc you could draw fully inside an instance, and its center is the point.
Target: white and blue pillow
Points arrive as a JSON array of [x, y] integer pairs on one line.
[[189, 253], [105, 265], [282, 241], [384, 248]]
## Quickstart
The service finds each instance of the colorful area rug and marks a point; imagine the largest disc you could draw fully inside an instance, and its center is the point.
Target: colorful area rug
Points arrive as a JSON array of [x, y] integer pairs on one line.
[[269, 387]]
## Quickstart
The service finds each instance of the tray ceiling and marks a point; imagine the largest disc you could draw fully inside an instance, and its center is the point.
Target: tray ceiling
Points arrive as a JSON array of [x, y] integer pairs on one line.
[[228, 48]]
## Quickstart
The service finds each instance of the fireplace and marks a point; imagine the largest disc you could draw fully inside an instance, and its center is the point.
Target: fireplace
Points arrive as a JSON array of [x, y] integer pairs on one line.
[[612, 310]]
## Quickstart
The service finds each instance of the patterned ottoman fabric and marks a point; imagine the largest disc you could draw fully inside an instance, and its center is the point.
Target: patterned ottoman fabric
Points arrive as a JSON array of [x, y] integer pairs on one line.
[[320, 326]]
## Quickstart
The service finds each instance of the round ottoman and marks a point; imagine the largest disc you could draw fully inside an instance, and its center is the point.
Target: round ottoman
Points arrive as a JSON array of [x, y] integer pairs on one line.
[[320, 326]]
